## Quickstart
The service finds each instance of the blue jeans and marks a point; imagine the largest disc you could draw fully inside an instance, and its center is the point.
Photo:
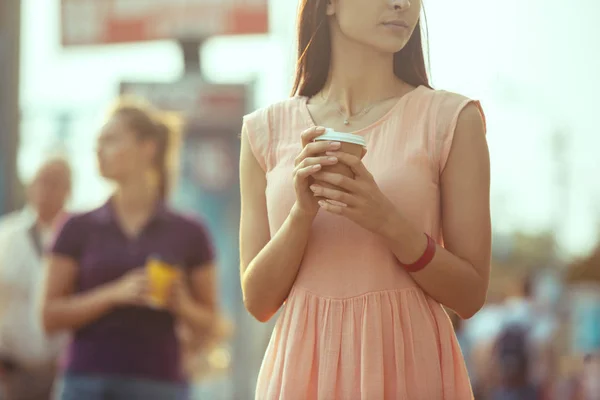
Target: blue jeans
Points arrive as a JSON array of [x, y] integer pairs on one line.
[[80, 387]]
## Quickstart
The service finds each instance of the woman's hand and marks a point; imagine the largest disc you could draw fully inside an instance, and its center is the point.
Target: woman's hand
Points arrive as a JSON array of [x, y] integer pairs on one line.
[[180, 298], [358, 199], [308, 163], [199, 316], [131, 289]]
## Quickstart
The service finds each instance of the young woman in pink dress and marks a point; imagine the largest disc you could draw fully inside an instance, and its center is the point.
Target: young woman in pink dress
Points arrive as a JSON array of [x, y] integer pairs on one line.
[[364, 270]]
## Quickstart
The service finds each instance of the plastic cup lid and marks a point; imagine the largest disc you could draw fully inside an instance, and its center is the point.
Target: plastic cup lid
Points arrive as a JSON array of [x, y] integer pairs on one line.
[[334, 136]]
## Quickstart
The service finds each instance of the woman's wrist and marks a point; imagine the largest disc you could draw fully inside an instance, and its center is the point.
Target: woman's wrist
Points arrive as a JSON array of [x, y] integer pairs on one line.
[[194, 314], [394, 227], [300, 216], [407, 243], [108, 295], [186, 309]]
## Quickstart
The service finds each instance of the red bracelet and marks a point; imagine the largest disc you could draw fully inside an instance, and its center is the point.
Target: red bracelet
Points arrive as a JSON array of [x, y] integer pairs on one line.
[[425, 259]]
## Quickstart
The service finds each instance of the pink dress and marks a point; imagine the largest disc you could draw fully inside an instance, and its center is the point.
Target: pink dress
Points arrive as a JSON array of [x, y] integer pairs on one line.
[[356, 326]]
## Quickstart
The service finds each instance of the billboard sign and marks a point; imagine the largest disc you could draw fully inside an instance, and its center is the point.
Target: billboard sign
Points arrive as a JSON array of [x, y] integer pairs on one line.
[[221, 105], [94, 22]]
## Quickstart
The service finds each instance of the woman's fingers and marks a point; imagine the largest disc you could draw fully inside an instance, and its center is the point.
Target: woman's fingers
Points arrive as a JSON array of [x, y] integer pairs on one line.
[[311, 134], [303, 173], [324, 160], [316, 149]]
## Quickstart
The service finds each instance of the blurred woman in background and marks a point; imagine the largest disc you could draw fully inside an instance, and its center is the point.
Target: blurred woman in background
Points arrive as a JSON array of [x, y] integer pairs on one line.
[[365, 266], [97, 286]]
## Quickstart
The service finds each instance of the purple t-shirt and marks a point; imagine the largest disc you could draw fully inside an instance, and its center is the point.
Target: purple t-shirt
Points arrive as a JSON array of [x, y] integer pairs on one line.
[[129, 341]]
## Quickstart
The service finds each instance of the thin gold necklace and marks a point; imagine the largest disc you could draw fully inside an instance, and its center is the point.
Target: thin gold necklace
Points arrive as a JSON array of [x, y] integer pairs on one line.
[[362, 112], [358, 114]]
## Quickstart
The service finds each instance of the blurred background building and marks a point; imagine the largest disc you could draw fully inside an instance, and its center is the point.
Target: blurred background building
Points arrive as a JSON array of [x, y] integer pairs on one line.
[[533, 64]]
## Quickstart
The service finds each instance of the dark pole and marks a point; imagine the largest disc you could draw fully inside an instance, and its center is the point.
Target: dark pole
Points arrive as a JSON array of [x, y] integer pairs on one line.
[[190, 49], [11, 194]]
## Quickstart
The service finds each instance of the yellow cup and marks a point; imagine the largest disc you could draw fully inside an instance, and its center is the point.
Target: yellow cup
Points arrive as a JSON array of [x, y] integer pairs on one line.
[[161, 276]]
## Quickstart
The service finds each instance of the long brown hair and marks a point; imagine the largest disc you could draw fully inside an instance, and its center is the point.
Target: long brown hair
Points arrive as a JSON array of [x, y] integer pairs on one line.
[[314, 52], [159, 127]]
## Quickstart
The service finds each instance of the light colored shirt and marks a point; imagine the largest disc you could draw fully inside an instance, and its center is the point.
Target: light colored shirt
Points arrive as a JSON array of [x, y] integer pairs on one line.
[[22, 337]]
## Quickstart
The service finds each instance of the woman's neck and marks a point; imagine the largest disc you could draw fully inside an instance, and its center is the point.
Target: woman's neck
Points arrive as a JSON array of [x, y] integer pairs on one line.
[[359, 75], [137, 197], [47, 221]]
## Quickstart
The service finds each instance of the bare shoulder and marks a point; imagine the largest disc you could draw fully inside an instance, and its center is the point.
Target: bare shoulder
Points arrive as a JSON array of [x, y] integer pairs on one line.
[[460, 130], [469, 148], [471, 121]]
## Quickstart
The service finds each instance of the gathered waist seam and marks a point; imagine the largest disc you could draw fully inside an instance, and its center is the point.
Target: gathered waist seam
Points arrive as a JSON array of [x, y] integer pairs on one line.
[[365, 294]]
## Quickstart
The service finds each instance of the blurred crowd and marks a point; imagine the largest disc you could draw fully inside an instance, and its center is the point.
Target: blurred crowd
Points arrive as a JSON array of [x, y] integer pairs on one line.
[[528, 342]]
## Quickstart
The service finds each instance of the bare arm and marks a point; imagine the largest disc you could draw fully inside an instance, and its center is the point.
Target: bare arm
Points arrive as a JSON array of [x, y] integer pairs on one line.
[[458, 275], [63, 311], [200, 310], [269, 266]]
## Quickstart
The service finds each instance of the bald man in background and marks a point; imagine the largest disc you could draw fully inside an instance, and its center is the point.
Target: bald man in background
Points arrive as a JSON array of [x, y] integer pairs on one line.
[[28, 358]]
